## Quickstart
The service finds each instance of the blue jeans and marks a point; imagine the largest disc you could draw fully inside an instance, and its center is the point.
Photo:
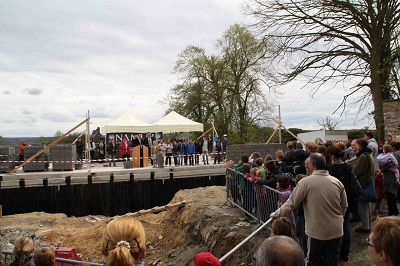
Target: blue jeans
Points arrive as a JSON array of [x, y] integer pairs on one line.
[[111, 158]]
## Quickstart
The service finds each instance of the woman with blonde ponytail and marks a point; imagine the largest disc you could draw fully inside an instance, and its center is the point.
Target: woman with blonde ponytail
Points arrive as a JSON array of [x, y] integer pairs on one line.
[[23, 251], [124, 242]]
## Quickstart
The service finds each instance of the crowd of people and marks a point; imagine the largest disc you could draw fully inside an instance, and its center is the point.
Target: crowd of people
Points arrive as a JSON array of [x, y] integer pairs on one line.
[[319, 184]]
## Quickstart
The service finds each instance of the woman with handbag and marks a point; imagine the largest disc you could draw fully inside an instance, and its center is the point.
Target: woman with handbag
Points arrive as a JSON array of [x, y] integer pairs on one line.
[[364, 170]]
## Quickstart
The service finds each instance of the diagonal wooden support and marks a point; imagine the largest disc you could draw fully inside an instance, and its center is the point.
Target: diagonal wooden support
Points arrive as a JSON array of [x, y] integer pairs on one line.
[[46, 147]]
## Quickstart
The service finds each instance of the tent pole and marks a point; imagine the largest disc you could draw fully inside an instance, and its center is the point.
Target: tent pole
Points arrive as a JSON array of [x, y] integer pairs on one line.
[[88, 139]]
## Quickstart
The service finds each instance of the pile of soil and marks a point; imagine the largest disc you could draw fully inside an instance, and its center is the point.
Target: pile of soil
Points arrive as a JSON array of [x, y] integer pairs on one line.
[[173, 236]]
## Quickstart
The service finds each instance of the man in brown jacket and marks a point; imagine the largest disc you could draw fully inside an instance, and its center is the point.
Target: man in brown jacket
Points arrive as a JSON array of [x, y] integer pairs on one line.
[[325, 204]]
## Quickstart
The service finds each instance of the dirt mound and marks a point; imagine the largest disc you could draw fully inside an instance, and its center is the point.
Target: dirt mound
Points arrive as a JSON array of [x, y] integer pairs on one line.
[[173, 236]]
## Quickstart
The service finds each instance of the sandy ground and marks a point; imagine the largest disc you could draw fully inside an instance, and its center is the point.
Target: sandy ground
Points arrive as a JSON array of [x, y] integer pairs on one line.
[[173, 236]]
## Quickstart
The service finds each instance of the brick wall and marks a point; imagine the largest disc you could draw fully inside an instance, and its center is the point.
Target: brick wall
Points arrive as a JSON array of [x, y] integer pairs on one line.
[[391, 113], [235, 152]]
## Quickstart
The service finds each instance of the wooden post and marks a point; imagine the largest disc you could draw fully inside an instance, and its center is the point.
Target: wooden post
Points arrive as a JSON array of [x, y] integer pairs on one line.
[[45, 147], [273, 133], [132, 203], [279, 123], [89, 195], [112, 195]]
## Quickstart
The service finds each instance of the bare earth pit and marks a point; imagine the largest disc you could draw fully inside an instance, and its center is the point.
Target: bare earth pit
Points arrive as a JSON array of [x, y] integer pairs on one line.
[[173, 236]]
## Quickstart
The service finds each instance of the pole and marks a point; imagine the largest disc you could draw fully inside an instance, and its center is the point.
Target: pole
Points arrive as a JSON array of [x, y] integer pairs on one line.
[[280, 123], [88, 140]]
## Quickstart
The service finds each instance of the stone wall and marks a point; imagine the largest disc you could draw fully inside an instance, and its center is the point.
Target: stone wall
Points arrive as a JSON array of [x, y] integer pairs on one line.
[[391, 113], [235, 152]]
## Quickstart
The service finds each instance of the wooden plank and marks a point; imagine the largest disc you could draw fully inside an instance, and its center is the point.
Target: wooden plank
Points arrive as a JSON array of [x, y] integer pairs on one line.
[[48, 146]]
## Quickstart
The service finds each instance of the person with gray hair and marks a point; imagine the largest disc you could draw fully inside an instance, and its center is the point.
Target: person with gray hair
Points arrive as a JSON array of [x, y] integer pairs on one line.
[[279, 251], [325, 204]]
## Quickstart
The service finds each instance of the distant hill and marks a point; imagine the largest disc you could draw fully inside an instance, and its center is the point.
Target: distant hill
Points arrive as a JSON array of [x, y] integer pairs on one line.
[[30, 140]]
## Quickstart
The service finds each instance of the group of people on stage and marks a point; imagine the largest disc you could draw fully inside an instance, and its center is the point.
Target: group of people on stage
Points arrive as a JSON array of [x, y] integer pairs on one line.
[[176, 152]]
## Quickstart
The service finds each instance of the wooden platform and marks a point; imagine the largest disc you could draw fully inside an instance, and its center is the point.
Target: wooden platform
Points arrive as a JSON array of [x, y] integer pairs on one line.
[[101, 174]]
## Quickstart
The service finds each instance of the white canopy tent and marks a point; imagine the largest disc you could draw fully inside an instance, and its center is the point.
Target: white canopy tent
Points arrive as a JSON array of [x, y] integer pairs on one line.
[[127, 122], [174, 122]]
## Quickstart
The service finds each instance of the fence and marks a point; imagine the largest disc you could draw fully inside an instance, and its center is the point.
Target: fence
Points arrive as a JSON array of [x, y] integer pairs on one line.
[[9, 257], [257, 202]]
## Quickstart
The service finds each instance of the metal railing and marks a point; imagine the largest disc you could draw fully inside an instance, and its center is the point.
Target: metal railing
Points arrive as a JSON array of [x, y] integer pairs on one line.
[[257, 202], [8, 255]]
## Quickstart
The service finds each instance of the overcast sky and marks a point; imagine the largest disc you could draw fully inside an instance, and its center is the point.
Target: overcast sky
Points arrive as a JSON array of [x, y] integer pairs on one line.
[[59, 59]]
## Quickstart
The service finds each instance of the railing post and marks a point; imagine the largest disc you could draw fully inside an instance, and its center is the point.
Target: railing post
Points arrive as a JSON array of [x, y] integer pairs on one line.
[[112, 195], [152, 190], [68, 196], [89, 195], [46, 199], [132, 203]]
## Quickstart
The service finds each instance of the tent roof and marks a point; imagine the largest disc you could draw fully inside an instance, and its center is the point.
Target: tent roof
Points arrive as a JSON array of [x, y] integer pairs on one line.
[[174, 122], [127, 122]]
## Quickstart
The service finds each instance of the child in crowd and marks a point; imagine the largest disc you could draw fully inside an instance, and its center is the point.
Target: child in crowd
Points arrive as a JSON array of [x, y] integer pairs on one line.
[[44, 257], [379, 190], [23, 251], [247, 189], [230, 164], [124, 242], [255, 174], [282, 226], [232, 181], [283, 185]]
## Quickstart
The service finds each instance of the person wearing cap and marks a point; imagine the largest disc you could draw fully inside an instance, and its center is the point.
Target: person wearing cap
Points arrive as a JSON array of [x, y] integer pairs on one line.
[[206, 259], [224, 145], [22, 149]]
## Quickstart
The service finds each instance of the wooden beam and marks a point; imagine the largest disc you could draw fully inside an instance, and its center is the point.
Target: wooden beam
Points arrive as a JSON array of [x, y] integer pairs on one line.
[[288, 131], [273, 133], [48, 146], [153, 210], [202, 135]]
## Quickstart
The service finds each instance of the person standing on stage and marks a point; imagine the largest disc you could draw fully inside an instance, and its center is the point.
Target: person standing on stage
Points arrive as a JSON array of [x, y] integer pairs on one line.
[[22, 150], [124, 146], [224, 146], [112, 151]]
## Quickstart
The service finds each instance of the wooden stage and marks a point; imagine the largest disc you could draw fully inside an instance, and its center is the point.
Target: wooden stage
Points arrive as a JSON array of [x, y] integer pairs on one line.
[[101, 174]]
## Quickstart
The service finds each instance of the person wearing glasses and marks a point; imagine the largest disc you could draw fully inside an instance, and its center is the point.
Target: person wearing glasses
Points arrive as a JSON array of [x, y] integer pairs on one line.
[[384, 241]]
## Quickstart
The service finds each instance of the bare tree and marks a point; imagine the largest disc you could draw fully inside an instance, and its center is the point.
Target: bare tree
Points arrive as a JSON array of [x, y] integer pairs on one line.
[[352, 42], [328, 123]]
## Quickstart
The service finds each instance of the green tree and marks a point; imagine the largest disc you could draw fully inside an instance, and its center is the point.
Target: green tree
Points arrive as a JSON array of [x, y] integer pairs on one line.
[[350, 42], [223, 89]]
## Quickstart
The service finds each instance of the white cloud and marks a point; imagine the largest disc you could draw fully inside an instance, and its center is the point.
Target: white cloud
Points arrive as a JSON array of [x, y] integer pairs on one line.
[[60, 59]]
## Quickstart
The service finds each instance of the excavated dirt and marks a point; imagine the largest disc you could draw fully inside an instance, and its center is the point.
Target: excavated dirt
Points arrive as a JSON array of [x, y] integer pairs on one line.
[[173, 236]]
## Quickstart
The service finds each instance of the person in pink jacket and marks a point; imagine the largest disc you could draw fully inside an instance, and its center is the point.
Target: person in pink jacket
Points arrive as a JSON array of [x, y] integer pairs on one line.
[[124, 146]]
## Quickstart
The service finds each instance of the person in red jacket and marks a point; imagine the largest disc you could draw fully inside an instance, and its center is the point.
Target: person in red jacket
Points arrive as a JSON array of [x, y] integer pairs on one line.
[[379, 190], [124, 146], [22, 149]]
